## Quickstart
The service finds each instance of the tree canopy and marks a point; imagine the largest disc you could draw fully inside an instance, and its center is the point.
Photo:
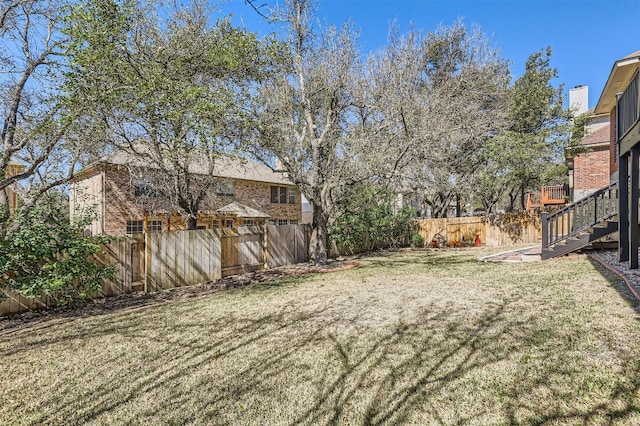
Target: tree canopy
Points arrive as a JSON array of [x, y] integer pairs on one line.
[[171, 92], [432, 115]]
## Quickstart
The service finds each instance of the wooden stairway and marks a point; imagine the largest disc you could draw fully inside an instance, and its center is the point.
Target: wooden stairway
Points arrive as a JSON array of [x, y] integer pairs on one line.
[[580, 223]]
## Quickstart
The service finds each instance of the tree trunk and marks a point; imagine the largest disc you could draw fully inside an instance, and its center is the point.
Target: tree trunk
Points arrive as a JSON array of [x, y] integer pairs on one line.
[[318, 246], [513, 197], [192, 222]]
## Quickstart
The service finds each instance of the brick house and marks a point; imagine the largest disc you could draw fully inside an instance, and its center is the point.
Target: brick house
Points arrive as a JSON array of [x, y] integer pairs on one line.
[[591, 170], [246, 194], [598, 167]]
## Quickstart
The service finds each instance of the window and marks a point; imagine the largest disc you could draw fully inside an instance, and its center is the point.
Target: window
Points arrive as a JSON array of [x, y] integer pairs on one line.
[[283, 194], [154, 226], [225, 188], [135, 227], [203, 223], [273, 221], [275, 197], [250, 222], [293, 221], [283, 221], [215, 223], [143, 188], [228, 223]]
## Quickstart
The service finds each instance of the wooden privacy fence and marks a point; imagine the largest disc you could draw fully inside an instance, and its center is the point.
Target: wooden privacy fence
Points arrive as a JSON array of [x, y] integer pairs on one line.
[[499, 231], [156, 261], [287, 244], [243, 250], [176, 259], [116, 254]]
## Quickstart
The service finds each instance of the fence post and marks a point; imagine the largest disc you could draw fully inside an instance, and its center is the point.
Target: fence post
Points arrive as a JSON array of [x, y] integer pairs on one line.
[[545, 230], [265, 245], [147, 260]]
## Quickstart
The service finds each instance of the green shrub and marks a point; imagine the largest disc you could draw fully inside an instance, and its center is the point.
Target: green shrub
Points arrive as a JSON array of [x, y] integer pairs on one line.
[[368, 221], [47, 255], [417, 240]]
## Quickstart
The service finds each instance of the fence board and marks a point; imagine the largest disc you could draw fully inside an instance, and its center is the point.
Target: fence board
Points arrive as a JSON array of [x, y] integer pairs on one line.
[[286, 244], [242, 250], [116, 254], [173, 262], [465, 229]]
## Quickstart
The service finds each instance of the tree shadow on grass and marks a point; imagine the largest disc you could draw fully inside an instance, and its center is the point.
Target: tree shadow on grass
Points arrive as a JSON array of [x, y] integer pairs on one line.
[[325, 364]]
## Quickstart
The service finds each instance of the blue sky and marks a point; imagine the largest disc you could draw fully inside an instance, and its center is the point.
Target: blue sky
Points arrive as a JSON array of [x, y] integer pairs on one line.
[[586, 36]]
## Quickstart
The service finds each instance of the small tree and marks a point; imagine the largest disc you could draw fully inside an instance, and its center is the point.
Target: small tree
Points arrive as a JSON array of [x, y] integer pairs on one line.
[[533, 148], [47, 255]]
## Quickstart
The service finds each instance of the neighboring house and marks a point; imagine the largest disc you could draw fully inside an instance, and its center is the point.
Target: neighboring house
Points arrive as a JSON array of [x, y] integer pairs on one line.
[[592, 169], [246, 194], [614, 163], [10, 192]]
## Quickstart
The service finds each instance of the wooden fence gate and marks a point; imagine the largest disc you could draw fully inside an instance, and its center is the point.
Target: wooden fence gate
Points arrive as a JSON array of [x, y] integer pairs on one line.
[[286, 244], [242, 249]]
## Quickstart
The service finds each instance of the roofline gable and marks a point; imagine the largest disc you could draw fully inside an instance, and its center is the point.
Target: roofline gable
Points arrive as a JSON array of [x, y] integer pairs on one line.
[[621, 72]]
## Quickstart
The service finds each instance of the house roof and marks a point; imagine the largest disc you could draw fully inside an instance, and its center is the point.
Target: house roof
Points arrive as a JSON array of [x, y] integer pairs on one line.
[[226, 166], [621, 73], [241, 211], [600, 136]]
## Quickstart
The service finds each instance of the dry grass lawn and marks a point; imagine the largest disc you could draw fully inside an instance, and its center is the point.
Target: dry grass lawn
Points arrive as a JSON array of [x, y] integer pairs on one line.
[[407, 338]]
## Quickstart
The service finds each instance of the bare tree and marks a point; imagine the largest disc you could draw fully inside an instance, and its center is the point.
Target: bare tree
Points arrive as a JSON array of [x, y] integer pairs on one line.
[[452, 102], [32, 52], [313, 116]]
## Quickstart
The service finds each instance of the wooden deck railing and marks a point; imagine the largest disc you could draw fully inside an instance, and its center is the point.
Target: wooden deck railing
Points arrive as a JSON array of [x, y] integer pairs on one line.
[[628, 107], [579, 216], [549, 195], [556, 194]]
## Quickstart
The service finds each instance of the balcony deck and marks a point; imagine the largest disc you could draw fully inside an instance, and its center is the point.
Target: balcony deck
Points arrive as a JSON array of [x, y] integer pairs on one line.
[[553, 195], [628, 112]]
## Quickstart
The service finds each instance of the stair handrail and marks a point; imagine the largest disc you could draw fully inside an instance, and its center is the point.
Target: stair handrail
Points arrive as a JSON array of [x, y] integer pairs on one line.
[[578, 217]]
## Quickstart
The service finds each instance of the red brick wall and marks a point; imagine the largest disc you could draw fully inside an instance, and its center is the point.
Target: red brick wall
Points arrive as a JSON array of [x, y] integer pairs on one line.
[[591, 170]]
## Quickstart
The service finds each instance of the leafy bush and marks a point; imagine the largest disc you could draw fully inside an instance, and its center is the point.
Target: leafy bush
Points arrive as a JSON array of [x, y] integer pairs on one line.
[[417, 240], [367, 221], [46, 254]]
